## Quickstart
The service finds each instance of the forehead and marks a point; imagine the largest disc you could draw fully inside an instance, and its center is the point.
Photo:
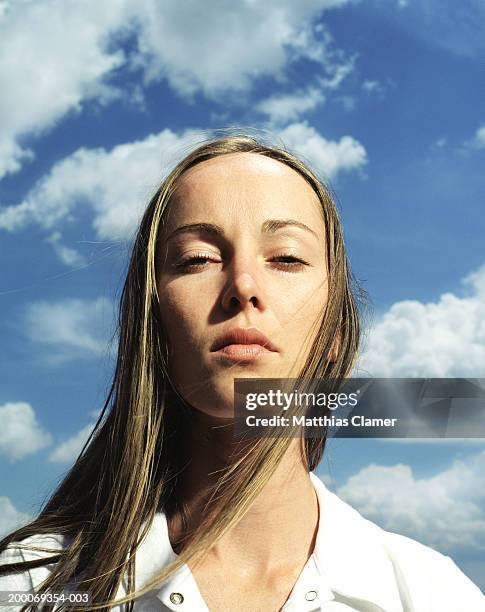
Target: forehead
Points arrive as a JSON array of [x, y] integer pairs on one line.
[[243, 188]]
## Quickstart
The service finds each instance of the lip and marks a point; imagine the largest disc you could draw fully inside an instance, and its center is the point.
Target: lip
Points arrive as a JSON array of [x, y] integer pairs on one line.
[[243, 343]]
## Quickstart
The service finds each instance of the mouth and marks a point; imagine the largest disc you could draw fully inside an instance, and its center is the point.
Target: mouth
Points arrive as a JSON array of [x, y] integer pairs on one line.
[[243, 351], [243, 344]]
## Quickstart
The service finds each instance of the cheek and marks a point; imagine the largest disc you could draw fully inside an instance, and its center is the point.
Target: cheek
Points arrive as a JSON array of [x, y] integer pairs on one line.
[[302, 307], [181, 314]]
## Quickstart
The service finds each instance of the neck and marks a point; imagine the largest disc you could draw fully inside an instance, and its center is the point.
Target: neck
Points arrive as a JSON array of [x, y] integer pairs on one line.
[[280, 524]]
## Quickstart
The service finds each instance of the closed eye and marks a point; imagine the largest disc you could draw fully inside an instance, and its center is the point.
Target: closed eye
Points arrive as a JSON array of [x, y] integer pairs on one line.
[[194, 262], [289, 263]]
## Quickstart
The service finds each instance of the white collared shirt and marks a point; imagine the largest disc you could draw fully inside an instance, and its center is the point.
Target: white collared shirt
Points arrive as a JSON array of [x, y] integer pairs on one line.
[[355, 565]]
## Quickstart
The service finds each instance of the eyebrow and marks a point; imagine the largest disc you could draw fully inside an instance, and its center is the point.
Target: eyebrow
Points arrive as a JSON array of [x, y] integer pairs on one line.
[[270, 226]]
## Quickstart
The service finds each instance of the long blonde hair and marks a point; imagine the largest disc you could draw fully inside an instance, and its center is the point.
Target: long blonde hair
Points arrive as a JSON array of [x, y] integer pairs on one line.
[[127, 470]]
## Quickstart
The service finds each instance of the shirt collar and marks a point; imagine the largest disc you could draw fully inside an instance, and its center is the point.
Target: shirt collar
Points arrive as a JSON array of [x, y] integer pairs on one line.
[[154, 553], [350, 555], [348, 560]]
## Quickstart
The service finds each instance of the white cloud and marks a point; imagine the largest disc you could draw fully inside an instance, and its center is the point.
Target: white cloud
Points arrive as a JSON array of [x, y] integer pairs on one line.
[[375, 88], [281, 108], [445, 511], [21, 434], [67, 255], [69, 450], [440, 143], [329, 157], [10, 517], [348, 102], [437, 339], [236, 43], [479, 139], [372, 87], [116, 184], [53, 56], [70, 328], [290, 106], [95, 413], [65, 54], [339, 71], [476, 142]]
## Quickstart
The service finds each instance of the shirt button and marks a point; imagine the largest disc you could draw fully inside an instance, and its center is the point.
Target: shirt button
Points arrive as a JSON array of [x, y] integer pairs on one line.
[[176, 598], [311, 595]]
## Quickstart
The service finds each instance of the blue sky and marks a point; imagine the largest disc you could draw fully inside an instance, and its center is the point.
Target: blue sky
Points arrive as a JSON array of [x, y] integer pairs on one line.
[[384, 98]]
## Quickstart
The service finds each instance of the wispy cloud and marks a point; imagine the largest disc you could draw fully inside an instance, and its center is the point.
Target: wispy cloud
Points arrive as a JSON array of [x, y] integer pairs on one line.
[[374, 87], [69, 449], [69, 328], [21, 433], [10, 517], [66, 254], [281, 108], [337, 72], [479, 138]]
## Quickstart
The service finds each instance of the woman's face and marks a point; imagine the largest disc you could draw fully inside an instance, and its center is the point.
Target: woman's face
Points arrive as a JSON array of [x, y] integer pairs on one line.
[[242, 251]]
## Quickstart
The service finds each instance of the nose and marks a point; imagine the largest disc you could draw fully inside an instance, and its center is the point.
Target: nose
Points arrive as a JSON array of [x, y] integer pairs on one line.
[[243, 292]]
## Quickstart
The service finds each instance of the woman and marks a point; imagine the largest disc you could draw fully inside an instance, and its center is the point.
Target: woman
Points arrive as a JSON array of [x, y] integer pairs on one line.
[[238, 270]]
